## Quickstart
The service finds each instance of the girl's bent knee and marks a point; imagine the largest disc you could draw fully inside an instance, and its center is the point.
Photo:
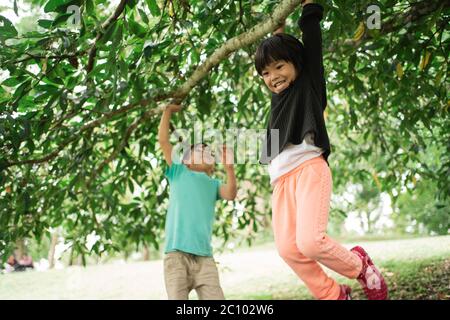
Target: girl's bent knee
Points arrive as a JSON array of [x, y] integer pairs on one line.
[[310, 248]]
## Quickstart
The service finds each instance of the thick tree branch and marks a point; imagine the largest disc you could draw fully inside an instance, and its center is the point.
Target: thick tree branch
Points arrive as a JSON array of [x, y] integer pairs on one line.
[[46, 158], [280, 13], [59, 57], [105, 25]]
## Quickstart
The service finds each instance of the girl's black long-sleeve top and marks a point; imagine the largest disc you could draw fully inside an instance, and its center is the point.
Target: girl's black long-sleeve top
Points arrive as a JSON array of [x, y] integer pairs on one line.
[[299, 108]]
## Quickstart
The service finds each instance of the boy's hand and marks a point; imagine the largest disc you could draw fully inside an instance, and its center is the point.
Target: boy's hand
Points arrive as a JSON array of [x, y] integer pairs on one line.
[[228, 191], [227, 157], [172, 108]]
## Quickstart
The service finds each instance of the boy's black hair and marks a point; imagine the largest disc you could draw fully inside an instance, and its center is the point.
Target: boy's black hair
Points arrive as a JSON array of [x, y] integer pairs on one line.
[[188, 151], [280, 46]]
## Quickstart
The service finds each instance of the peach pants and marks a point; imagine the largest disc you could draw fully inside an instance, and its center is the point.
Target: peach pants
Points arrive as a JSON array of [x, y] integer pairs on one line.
[[300, 206]]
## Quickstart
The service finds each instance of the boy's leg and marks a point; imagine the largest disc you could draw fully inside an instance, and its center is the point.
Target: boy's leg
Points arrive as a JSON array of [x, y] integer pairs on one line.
[[284, 221], [178, 284], [206, 280], [313, 195]]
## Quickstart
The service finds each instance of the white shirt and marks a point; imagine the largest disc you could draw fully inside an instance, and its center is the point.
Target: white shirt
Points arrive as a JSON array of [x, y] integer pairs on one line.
[[292, 156]]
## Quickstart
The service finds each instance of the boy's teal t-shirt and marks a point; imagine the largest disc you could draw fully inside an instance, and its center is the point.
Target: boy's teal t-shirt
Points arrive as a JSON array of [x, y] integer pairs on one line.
[[191, 211]]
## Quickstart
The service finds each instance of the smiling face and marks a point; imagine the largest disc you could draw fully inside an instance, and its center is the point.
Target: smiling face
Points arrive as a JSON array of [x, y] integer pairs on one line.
[[200, 158], [278, 75], [279, 61]]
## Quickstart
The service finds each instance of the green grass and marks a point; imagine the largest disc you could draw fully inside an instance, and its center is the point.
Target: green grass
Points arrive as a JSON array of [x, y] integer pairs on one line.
[[417, 280], [417, 268]]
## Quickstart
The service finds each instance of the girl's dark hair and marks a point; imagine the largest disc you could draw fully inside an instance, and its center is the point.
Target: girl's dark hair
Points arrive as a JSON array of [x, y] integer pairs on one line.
[[280, 46]]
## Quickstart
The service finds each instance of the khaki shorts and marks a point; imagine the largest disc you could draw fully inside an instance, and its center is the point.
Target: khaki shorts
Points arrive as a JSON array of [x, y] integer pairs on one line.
[[184, 272]]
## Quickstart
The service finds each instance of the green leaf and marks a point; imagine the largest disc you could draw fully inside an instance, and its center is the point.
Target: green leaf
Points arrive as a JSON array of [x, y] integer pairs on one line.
[[131, 3], [153, 6], [90, 7], [61, 6], [60, 19], [143, 16], [352, 62], [243, 101], [148, 50], [118, 34], [7, 30], [11, 82], [21, 88], [44, 23], [137, 29], [52, 5], [131, 185], [109, 32], [205, 103]]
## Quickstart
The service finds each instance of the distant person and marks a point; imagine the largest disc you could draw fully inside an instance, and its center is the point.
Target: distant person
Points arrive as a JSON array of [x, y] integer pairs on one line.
[[26, 262], [11, 264]]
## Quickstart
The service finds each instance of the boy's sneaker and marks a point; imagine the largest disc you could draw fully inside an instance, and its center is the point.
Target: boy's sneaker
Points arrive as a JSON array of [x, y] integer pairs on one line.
[[345, 292], [370, 278]]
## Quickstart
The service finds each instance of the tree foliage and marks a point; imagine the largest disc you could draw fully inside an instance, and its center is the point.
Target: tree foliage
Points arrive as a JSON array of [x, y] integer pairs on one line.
[[79, 107]]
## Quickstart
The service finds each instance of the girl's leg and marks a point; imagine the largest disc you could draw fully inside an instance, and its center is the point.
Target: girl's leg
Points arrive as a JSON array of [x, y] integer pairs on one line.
[[313, 195], [284, 221]]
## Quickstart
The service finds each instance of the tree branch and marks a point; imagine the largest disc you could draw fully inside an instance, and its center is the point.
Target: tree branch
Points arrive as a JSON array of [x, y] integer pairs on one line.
[[280, 13], [89, 125], [231, 45], [122, 143], [178, 94], [418, 11], [105, 25]]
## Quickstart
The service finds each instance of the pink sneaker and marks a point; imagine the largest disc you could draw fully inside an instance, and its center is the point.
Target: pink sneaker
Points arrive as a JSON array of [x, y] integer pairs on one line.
[[370, 278], [345, 292]]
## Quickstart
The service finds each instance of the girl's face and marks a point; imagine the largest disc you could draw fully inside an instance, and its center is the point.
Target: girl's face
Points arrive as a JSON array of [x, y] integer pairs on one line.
[[278, 75]]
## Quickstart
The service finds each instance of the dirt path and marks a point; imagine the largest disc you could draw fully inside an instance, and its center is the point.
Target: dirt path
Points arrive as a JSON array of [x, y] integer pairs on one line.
[[244, 272]]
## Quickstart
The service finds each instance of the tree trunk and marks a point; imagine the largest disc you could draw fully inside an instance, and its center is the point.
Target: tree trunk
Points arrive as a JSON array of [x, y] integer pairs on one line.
[[361, 221], [369, 223], [71, 257], [146, 254], [51, 251]]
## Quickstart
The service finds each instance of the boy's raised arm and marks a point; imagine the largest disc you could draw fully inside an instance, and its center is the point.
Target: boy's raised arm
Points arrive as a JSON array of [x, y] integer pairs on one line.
[[164, 132], [228, 190]]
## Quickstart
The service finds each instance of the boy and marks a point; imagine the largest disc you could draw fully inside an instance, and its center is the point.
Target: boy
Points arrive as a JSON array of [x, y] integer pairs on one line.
[[188, 261]]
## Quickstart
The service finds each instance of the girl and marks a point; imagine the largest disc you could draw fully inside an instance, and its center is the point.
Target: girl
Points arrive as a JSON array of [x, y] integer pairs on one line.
[[299, 169]]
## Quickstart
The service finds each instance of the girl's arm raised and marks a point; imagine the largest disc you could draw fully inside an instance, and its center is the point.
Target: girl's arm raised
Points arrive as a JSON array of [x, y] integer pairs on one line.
[[309, 23], [280, 29]]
